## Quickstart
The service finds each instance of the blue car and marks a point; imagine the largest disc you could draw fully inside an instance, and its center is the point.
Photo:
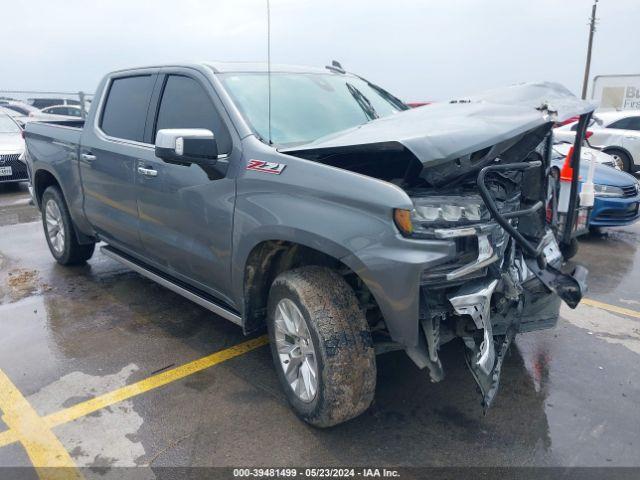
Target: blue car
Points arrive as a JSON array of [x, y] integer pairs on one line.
[[617, 195]]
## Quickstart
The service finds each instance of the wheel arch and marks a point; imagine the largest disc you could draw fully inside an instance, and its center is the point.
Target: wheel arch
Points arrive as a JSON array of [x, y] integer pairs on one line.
[[611, 148], [268, 258], [43, 179]]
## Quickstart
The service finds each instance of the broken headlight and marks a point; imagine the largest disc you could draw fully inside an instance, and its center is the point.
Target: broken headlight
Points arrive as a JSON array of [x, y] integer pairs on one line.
[[440, 211]]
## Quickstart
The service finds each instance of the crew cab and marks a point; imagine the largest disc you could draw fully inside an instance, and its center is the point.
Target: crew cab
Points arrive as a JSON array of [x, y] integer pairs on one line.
[[315, 204]]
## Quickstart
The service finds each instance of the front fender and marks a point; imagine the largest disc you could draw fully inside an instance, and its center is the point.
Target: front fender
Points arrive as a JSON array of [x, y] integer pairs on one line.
[[389, 264], [342, 214], [328, 228]]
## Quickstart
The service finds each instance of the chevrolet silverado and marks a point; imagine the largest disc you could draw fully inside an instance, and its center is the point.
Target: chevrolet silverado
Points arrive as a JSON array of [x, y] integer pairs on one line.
[[315, 204]]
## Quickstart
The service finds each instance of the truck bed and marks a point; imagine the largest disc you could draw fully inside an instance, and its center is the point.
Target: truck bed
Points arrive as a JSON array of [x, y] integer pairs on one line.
[[66, 131]]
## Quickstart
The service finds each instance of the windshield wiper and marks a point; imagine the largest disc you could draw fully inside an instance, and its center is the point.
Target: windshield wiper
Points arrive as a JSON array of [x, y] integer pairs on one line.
[[395, 101], [363, 102]]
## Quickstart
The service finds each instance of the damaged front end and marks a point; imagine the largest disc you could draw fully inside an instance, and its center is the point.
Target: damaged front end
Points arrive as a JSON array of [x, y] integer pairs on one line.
[[509, 273], [479, 175]]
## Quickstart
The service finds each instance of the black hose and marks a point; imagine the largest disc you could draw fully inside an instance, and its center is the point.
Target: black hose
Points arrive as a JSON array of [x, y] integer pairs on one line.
[[533, 251]]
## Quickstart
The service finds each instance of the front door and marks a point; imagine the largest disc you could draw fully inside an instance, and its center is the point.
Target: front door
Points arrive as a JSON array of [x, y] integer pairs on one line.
[[185, 213]]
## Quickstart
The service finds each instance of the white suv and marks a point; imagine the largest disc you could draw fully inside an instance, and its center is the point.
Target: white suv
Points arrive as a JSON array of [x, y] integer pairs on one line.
[[618, 135]]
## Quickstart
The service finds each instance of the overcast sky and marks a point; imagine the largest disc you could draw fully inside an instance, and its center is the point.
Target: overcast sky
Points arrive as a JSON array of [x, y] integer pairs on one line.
[[419, 50]]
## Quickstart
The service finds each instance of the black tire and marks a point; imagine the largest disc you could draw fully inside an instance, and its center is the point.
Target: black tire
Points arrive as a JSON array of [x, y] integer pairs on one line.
[[346, 363], [71, 252], [624, 158], [570, 251]]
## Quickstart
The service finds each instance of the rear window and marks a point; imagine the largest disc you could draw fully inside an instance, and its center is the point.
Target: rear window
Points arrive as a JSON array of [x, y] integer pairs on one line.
[[45, 102], [125, 110]]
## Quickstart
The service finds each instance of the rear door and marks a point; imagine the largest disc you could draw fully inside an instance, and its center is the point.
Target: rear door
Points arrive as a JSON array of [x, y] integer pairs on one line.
[[186, 212], [111, 149]]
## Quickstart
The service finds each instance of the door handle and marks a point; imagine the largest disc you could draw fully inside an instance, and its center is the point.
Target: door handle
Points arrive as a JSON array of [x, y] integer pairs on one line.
[[147, 172], [88, 157]]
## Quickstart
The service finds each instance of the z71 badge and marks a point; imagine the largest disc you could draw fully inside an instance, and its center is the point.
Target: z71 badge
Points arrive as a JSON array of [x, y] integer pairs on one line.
[[266, 167]]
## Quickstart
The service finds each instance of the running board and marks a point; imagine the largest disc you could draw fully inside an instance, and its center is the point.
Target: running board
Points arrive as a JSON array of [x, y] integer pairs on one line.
[[196, 297]]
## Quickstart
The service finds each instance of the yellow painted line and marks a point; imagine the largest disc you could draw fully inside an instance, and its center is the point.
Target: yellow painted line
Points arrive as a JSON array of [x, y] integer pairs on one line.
[[42, 446], [97, 403], [610, 308], [155, 381], [7, 437]]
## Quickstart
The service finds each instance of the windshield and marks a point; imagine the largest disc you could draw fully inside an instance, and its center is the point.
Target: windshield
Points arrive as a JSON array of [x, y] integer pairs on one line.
[[7, 125], [306, 106]]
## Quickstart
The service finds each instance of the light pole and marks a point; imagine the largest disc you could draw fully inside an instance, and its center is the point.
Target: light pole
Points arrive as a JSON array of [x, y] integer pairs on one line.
[[587, 67]]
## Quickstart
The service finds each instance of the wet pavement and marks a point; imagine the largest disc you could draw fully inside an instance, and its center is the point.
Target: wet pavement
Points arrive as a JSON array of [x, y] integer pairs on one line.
[[569, 396]]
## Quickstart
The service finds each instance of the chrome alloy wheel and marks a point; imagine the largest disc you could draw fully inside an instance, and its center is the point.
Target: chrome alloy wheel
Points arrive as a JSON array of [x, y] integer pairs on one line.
[[55, 227], [295, 350], [617, 160]]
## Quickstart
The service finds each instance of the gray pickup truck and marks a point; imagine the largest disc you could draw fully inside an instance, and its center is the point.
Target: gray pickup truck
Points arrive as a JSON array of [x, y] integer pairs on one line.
[[315, 204]]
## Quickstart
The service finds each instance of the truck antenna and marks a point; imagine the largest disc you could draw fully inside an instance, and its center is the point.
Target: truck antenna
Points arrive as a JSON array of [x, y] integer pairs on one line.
[[269, 67]]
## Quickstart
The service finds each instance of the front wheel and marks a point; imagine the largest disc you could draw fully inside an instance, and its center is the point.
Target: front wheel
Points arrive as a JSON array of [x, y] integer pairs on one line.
[[59, 230], [321, 346]]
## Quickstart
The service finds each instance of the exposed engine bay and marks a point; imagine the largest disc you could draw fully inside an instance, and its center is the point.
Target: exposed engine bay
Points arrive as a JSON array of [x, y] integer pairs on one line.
[[478, 174]]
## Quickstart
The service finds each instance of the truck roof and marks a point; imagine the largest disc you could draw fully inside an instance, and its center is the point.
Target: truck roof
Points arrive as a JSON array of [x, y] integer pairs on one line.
[[232, 67], [227, 67]]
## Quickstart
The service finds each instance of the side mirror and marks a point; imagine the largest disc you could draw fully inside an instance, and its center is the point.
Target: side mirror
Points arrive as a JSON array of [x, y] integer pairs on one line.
[[186, 146]]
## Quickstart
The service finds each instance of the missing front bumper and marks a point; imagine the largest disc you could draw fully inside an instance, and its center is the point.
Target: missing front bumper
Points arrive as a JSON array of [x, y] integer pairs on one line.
[[535, 309]]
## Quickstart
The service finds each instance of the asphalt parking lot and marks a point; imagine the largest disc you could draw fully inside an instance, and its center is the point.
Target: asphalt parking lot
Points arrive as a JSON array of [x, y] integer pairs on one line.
[[105, 368]]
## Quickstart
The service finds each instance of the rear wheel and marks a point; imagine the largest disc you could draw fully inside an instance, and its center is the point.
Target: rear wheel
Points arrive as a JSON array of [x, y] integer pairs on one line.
[[60, 231], [321, 346], [621, 159]]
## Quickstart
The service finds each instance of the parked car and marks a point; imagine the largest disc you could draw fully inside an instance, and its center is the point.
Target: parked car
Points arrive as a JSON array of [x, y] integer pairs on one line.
[[21, 108], [617, 194], [41, 103], [618, 135], [12, 163], [23, 113], [343, 222], [587, 153], [66, 110]]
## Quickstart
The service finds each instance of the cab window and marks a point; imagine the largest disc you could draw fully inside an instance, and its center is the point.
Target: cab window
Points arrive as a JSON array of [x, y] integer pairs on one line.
[[125, 110], [186, 104]]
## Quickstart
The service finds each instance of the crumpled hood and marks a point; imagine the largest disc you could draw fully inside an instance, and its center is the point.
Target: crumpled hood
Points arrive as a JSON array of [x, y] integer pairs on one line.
[[443, 131]]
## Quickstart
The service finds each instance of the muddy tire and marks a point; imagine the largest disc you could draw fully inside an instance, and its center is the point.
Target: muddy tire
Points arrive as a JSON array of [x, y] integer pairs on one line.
[[327, 334], [59, 230]]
